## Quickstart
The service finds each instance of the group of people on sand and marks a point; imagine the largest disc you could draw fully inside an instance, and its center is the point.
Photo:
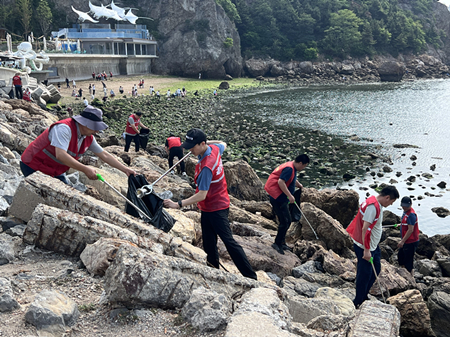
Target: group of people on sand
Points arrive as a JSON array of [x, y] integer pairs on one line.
[[59, 147], [101, 76]]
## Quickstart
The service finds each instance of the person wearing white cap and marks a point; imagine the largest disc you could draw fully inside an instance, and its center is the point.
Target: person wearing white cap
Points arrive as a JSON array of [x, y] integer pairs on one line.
[[58, 148]]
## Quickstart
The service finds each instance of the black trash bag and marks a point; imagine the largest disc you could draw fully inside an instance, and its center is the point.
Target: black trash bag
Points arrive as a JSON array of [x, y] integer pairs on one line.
[[296, 215], [144, 134], [151, 204], [11, 93]]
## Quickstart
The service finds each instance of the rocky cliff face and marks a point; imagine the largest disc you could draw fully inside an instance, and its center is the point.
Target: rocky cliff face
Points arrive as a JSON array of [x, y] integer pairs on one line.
[[192, 36]]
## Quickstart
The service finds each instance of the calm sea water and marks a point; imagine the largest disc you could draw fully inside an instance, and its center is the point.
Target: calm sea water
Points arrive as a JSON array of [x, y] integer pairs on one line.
[[381, 115]]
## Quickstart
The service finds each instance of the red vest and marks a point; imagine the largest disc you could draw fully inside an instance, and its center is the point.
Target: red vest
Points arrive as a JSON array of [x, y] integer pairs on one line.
[[217, 197], [40, 155], [355, 227], [27, 96], [129, 130], [17, 80], [173, 141], [414, 237], [272, 186]]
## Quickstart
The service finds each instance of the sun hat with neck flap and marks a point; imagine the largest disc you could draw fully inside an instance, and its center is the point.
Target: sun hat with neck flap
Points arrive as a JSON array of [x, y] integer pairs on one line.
[[91, 118]]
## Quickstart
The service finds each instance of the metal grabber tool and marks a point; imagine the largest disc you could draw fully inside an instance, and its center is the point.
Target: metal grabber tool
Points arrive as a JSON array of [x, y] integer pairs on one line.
[[303, 215], [99, 176], [376, 275], [147, 189], [387, 226]]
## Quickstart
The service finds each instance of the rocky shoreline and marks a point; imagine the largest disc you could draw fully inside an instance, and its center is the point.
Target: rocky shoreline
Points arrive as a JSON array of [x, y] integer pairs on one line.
[[77, 254]]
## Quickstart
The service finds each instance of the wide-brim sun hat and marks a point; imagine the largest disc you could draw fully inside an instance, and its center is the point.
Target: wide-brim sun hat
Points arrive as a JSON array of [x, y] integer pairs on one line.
[[91, 118]]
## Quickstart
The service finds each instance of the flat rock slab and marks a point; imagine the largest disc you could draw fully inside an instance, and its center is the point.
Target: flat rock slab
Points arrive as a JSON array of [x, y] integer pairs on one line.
[[139, 277], [376, 319]]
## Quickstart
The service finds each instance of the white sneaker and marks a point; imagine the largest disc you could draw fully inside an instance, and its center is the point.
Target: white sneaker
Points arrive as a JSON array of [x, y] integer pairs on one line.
[[172, 172], [183, 174]]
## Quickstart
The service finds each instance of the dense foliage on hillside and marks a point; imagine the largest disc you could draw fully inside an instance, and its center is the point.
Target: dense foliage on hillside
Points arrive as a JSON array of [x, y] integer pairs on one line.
[[300, 29]]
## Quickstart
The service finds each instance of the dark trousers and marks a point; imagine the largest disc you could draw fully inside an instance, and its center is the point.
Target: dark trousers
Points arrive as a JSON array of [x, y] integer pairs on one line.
[[365, 276], [176, 151], [19, 92], [281, 210], [134, 138], [216, 224], [406, 255], [26, 170]]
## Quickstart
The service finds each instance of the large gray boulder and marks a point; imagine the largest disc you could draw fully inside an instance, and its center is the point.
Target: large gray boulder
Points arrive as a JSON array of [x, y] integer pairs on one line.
[[391, 71], [376, 319], [7, 252], [138, 277], [207, 310], [256, 67], [52, 311], [439, 306]]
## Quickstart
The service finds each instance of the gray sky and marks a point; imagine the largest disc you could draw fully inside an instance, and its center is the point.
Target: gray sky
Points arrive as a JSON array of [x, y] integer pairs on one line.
[[447, 2]]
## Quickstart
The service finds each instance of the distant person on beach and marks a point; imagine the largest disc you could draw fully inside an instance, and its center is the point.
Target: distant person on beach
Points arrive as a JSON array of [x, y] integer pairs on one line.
[[174, 149], [60, 146], [410, 235], [121, 90], [196, 93], [67, 83], [93, 90], [85, 101], [59, 86], [168, 94], [211, 197], [110, 74], [199, 76], [151, 90], [27, 95], [132, 131], [158, 94], [74, 84], [17, 82], [365, 231], [80, 92], [93, 75], [112, 94], [281, 186]]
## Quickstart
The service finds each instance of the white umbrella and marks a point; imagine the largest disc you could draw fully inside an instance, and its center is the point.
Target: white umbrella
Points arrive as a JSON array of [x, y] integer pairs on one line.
[[45, 44]]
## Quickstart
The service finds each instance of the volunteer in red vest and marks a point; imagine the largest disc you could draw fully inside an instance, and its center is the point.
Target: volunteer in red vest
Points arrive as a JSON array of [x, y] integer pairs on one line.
[[212, 199], [174, 149], [281, 186], [58, 148], [27, 95], [366, 230], [17, 82], [132, 131], [410, 235]]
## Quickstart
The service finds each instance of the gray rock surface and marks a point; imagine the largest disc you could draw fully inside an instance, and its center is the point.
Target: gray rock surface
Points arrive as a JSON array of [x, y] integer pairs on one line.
[[376, 319], [7, 300], [52, 311], [207, 310], [7, 253], [439, 307]]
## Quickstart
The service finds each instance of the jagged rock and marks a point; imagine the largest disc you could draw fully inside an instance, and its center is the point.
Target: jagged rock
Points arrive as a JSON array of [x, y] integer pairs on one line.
[[391, 71], [334, 264], [428, 268], [7, 300], [297, 286], [375, 319], [310, 267], [262, 256], [439, 307], [251, 230], [305, 309], [441, 212], [341, 205], [390, 218], [414, 312], [138, 277], [207, 310], [428, 246], [261, 312], [52, 311], [68, 233], [330, 323], [243, 183], [329, 230], [263, 208], [307, 250], [256, 67], [347, 69], [345, 304], [277, 70], [444, 263], [98, 256], [393, 280], [184, 227], [241, 215], [306, 67], [7, 253]]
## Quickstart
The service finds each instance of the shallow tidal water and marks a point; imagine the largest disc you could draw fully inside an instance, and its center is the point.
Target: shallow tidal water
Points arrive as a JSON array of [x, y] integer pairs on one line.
[[376, 116]]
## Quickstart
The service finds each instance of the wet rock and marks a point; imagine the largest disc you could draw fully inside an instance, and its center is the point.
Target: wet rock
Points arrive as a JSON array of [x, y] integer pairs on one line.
[[342, 205], [442, 184], [387, 169], [413, 157], [138, 277], [207, 310], [411, 179], [52, 311], [414, 312], [439, 307], [243, 183], [376, 319], [7, 300], [427, 175], [391, 71]]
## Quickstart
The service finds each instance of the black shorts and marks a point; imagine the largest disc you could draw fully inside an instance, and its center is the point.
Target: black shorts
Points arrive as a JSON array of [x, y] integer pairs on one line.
[[406, 255]]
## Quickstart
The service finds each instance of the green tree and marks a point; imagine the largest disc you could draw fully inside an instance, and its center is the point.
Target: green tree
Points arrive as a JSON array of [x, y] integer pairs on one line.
[[24, 13], [230, 10], [343, 37], [44, 17]]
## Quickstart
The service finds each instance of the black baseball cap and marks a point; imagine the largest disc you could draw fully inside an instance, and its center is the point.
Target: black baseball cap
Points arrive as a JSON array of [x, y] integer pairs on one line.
[[406, 202], [139, 113], [193, 137]]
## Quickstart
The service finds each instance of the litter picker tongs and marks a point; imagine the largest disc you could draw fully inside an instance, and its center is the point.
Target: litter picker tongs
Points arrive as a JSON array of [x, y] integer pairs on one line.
[[148, 189]]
